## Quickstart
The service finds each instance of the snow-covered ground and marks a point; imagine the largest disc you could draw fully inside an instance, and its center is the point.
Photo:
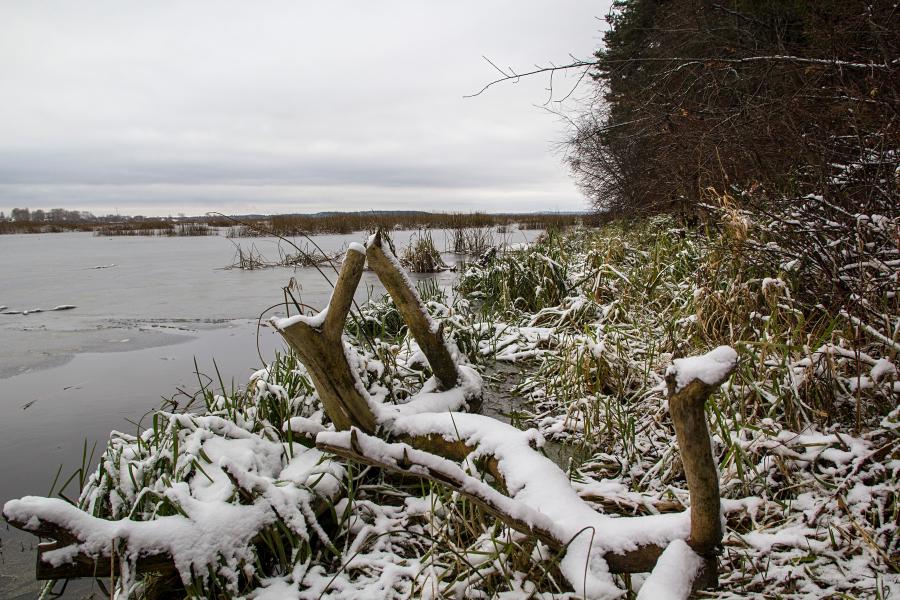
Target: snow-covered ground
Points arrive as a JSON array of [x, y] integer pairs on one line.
[[805, 434]]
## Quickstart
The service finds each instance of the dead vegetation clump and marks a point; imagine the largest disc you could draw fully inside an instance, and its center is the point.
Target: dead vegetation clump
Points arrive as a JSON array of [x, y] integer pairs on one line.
[[471, 240], [155, 228], [251, 258], [422, 256]]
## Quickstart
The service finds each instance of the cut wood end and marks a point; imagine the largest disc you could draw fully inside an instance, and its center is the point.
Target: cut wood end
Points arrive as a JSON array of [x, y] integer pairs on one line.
[[33, 524], [286, 324], [701, 375]]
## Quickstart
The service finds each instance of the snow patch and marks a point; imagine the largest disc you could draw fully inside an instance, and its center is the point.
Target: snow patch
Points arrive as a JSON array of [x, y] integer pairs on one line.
[[673, 575], [711, 368]]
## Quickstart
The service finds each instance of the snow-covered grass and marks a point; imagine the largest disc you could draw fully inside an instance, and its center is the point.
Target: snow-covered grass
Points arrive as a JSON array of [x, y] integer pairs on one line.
[[806, 428], [805, 433], [296, 523]]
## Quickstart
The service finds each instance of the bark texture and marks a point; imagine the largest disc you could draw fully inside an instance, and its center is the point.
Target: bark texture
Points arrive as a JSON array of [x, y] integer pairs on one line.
[[411, 307], [321, 350]]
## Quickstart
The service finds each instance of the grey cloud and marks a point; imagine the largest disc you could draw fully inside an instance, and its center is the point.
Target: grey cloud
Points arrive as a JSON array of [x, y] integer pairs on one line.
[[170, 104]]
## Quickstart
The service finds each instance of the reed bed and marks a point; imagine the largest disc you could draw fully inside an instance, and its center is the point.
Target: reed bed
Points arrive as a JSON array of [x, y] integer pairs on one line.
[[155, 228], [14, 227], [421, 255], [343, 223], [473, 240], [251, 258], [806, 432], [294, 225]]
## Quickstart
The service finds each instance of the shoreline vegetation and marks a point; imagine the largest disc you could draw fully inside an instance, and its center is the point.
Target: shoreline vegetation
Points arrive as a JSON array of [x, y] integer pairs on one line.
[[805, 433], [743, 163], [286, 225], [420, 255]]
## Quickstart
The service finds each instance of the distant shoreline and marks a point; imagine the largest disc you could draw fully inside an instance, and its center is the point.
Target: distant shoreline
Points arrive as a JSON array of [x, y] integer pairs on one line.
[[288, 224]]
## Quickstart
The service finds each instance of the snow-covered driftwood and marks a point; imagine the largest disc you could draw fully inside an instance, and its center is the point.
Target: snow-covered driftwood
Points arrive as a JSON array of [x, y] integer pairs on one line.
[[403, 459], [537, 498], [208, 528], [497, 466]]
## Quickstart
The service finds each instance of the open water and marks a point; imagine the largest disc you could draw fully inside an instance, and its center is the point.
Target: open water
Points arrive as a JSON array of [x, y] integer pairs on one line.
[[146, 308]]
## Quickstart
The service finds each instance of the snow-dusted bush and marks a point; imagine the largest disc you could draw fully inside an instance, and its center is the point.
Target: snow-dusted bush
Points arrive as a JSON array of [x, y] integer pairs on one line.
[[806, 427]]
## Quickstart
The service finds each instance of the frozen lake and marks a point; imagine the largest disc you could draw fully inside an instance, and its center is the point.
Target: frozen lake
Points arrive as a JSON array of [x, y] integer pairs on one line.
[[139, 323]]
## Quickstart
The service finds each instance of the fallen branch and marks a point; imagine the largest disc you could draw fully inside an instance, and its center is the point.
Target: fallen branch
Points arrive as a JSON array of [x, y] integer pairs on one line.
[[403, 459]]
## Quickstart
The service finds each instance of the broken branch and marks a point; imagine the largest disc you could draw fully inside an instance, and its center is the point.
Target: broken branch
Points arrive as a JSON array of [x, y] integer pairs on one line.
[[427, 333]]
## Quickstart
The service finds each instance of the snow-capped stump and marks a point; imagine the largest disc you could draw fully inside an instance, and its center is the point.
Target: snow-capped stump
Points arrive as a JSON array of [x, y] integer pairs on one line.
[[691, 381], [710, 369]]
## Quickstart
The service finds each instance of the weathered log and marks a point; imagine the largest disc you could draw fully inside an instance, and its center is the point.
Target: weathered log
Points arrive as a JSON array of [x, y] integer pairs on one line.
[[623, 506], [456, 450], [81, 565], [97, 567], [687, 401], [427, 333], [636, 561], [319, 346]]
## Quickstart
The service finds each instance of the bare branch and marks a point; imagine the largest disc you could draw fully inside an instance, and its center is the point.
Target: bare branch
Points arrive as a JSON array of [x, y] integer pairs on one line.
[[579, 64]]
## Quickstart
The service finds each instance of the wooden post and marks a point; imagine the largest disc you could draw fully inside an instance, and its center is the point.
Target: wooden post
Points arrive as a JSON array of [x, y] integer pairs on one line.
[[427, 333], [687, 407]]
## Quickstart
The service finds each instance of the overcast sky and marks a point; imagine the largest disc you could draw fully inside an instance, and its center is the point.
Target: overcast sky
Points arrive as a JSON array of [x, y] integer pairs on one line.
[[173, 106]]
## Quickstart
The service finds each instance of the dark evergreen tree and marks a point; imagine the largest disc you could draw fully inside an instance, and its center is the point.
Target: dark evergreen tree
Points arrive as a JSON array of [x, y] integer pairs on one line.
[[763, 94]]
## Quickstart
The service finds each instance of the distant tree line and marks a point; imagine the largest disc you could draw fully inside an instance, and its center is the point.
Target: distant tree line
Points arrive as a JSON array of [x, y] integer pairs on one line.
[[54, 215], [61, 215], [23, 220], [775, 98]]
